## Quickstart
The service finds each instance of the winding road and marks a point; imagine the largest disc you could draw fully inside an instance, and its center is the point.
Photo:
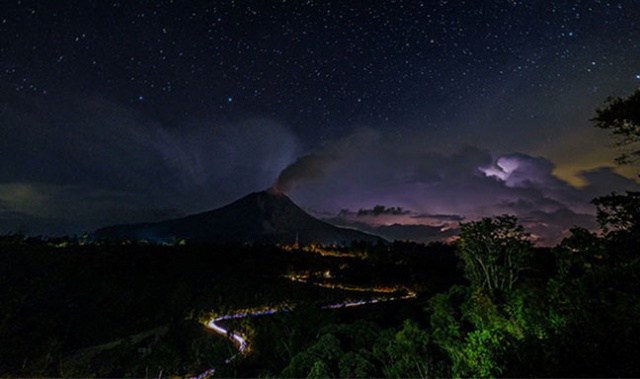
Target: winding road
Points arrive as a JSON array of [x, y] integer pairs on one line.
[[241, 342]]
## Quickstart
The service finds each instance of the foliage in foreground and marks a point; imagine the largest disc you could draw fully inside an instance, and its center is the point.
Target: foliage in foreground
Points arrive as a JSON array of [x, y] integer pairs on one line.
[[578, 319], [131, 311]]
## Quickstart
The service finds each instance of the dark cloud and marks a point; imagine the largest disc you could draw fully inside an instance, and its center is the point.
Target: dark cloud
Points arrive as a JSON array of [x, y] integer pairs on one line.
[[444, 189], [90, 162], [441, 217], [93, 161], [92, 140], [381, 210], [167, 117], [548, 228], [54, 209], [603, 180], [419, 233], [400, 232], [395, 223]]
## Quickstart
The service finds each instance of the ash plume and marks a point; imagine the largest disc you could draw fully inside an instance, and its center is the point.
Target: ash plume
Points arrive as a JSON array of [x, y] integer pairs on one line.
[[307, 169], [316, 167]]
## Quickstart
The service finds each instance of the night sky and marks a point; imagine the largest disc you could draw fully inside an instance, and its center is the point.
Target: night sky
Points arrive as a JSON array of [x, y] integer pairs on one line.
[[439, 111]]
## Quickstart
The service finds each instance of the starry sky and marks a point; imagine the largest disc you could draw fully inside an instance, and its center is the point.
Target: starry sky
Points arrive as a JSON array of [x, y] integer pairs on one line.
[[402, 118]]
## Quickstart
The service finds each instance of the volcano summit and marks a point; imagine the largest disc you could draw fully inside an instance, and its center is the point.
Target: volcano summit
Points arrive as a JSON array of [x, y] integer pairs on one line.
[[266, 216]]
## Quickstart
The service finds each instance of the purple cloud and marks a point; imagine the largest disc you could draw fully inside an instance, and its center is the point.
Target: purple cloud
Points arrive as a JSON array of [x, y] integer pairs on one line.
[[467, 184]]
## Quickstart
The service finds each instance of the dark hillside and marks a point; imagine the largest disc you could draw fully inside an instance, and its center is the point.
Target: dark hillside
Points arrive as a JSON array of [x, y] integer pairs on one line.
[[266, 216]]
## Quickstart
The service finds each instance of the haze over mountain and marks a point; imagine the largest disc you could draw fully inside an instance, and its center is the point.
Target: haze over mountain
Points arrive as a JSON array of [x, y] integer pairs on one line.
[[266, 216]]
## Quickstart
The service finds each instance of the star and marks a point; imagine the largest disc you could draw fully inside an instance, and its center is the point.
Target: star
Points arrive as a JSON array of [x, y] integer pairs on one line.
[[434, 76]]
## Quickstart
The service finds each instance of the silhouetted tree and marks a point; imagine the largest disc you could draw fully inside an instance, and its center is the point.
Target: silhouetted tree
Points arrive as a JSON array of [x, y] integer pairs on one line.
[[622, 117], [619, 213], [494, 251]]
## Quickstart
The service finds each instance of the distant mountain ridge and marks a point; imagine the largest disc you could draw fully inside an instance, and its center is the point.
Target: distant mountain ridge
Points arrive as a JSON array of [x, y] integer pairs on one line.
[[266, 216]]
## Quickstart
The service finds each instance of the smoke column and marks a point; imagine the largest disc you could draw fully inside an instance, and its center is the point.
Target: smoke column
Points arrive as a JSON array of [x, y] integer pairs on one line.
[[306, 169], [316, 167]]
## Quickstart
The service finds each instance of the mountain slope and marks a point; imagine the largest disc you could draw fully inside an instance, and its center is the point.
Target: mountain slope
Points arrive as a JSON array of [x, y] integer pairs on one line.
[[264, 216]]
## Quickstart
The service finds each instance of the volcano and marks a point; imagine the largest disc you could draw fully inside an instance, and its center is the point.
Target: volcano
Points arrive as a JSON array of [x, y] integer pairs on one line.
[[261, 217]]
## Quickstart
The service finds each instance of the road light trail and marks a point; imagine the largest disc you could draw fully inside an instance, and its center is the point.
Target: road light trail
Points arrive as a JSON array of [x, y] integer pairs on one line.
[[241, 342]]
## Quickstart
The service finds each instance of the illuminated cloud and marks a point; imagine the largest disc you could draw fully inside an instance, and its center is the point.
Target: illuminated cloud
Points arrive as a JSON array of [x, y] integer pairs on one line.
[[502, 170], [112, 166], [462, 186], [190, 127]]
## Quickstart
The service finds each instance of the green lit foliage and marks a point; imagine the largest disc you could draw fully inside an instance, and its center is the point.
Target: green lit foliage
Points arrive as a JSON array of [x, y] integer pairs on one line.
[[339, 351], [319, 369], [481, 354], [362, 350], [408, 353], [316, 359], [488, 327], [494, 251], [621, 116], [447, 320], [356, 365], [466, 329], [578, 318], [486, 336]]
